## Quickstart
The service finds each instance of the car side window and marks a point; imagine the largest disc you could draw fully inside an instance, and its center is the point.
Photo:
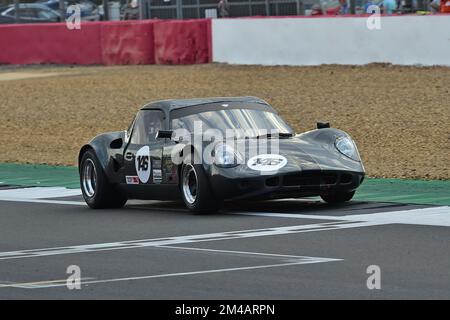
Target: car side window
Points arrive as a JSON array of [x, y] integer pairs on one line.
[[27, 13], [46, 14], [146, 125]]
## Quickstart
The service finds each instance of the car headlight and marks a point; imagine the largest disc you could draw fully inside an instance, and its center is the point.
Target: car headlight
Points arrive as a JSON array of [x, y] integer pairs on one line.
[[347, 147], [225, 156]]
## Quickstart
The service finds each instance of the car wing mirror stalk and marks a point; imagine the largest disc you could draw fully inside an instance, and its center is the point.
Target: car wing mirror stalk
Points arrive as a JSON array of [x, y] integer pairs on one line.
[[323, 125], [164, 134]]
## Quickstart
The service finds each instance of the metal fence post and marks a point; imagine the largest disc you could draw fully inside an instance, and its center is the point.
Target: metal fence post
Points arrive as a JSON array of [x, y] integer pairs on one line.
[[149, 9], [199, 15], [179, 9], [141, 4], [267, 7], [105, 10], [16, 11], [62, 10], [352, 6]]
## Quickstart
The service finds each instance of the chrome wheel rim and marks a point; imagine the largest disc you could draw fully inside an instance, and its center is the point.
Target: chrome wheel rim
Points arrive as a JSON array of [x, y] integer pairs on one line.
[[190, 184], [89, 178]]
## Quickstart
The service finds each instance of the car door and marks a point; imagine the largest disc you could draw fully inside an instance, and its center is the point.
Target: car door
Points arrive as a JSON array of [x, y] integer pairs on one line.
[[142, 155]]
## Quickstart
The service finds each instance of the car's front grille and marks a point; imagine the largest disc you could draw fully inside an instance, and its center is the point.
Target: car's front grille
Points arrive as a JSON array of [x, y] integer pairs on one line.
[[311, 178], [329, 178], [302, 179]]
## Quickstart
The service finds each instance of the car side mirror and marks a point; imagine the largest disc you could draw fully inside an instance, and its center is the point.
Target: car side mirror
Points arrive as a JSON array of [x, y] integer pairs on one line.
[[116, 143], [323, 125], [164, 134]]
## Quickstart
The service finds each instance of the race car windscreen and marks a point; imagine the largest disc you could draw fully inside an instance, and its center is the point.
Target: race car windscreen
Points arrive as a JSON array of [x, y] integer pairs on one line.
[[247, 122]]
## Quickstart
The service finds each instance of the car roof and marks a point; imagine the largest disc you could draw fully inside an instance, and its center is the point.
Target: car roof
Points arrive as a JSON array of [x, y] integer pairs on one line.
[[184, 103]]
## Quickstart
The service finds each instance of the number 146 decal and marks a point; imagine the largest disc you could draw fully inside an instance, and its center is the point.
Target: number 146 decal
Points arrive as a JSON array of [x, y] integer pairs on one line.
[[143, 164]]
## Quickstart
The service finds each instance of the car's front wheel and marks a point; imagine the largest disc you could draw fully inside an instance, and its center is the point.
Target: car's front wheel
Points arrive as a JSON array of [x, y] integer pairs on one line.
[[195, 190], [97, 191], [337, 197]]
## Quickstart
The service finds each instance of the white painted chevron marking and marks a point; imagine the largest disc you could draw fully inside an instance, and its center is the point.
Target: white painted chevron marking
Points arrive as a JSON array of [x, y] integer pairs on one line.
[[170, 241], [61, 283], [282, 261]]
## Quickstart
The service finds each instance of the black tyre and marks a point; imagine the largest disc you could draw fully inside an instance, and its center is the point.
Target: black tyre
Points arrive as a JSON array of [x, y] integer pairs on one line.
[[195, 190], [337, 197], [97, 191]]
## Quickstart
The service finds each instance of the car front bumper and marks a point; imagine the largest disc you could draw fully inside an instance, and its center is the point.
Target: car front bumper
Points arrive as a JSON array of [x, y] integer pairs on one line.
[[287, 185]]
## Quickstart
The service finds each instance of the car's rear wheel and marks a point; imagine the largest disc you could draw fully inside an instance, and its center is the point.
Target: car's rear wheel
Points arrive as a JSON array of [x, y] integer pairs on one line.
[[195, 190], [337, 197], [97, 191]]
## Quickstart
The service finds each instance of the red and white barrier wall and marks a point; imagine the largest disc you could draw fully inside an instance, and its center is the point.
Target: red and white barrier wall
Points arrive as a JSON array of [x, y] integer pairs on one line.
[[404, 40], [108, 43]]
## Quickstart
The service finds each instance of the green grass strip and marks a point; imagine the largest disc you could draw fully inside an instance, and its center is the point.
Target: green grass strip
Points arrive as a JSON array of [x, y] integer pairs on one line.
[[39, 175], [405, 191]]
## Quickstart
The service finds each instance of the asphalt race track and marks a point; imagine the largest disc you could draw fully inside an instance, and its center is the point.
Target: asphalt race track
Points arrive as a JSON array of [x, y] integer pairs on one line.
[[290, 249]]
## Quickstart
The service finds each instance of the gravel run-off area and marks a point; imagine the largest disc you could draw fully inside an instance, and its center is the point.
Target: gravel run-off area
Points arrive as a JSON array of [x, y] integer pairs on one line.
[[399, 116]]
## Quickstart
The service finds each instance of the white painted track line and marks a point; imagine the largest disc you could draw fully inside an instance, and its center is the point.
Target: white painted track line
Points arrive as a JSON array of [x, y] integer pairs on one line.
[[38, 193], [433, 216], [57, 283], [37, 284], [251, 254], [63, 202]]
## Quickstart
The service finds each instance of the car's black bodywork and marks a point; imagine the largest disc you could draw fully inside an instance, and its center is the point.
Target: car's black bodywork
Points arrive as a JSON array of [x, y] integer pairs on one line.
[[313, 166]]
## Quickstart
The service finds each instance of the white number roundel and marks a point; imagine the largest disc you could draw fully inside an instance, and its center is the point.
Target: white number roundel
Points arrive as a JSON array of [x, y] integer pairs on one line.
[[143, 164], [267, 162]]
